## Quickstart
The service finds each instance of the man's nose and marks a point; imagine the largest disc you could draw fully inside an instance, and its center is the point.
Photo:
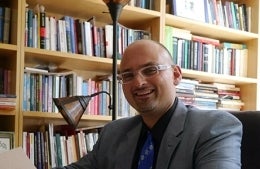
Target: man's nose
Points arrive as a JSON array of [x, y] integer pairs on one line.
[[139, 79]]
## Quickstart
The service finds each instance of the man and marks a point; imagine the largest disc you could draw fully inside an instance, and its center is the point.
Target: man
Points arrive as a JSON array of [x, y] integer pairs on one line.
[[183, 137]]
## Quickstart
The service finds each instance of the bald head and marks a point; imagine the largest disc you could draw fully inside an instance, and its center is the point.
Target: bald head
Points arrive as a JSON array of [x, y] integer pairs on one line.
[[140, 48]]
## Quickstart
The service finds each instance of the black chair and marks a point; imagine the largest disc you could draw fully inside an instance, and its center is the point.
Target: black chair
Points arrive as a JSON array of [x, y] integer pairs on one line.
[[250, 147]]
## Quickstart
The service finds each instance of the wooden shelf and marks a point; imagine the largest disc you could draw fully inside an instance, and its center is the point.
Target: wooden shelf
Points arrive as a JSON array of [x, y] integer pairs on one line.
[[209, 30], [34, 56], [211, 77]]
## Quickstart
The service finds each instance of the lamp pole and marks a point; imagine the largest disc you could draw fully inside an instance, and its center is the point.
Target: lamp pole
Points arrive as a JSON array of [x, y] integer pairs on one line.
[[115, 8]]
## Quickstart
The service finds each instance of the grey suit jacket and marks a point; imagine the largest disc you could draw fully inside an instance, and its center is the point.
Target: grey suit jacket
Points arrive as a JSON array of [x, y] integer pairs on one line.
[[194, 139]]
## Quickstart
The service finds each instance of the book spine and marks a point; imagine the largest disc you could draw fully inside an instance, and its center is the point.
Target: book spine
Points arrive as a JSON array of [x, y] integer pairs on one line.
[[42, 28], [30, 28], [7, 20], [2, 12]]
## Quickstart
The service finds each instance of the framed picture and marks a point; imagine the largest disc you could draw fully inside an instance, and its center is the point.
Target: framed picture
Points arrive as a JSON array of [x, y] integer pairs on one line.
[[193, 9], [6, 141]]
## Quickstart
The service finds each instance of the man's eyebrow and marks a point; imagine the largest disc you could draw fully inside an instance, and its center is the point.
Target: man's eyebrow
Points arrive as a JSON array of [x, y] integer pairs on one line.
[[144, 65]]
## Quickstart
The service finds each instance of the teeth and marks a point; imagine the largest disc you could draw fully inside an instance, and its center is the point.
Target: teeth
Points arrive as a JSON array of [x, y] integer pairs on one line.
[[143, 92]]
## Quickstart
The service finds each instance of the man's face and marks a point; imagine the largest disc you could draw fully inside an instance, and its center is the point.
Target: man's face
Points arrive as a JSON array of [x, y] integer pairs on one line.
[[155, 93]]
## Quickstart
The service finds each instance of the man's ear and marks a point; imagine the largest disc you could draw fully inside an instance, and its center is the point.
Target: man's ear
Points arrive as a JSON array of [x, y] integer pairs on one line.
[[177, 74]]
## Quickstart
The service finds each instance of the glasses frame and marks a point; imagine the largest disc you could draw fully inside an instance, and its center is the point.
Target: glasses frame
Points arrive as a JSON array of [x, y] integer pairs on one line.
[[140, 71]]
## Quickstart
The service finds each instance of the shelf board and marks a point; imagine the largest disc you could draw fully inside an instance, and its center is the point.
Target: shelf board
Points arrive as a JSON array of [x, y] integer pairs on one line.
[[7, 112], [7, 49], [38, 118], [209, 30], [36, 56], [48, 115], [88, 8], [220, 78]]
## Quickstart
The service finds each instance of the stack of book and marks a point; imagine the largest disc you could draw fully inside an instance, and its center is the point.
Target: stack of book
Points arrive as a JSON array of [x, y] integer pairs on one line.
[[206, 96], [7, 102], [229, 97], [185, 91]]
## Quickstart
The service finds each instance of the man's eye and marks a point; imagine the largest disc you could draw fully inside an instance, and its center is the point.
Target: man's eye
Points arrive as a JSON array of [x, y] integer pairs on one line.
[[149, 71], [127, 76]]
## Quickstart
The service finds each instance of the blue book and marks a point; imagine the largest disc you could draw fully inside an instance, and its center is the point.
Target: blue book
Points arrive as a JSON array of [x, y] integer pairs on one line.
[[2, 11], [30, 27]]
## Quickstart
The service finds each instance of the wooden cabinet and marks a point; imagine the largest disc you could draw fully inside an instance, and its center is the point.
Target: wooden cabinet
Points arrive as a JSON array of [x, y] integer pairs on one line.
[[16, 56]]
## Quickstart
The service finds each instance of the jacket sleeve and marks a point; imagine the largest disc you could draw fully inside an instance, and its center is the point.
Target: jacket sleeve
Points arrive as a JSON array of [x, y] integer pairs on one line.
[[219, 146]]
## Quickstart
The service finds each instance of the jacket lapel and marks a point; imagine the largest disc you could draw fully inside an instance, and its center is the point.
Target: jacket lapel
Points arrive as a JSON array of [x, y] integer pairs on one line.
[[172, 137], [124, 160]]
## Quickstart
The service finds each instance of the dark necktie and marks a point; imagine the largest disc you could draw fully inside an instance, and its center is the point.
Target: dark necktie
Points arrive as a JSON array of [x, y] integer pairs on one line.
[[147, 153]]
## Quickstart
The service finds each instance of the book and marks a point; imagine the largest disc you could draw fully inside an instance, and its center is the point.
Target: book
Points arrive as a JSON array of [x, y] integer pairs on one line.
[[7, 23], [35, 70], [53, 33], [206, 40], [109, 40], [2, 13], [42, 27], [58, 149], [189, 9]]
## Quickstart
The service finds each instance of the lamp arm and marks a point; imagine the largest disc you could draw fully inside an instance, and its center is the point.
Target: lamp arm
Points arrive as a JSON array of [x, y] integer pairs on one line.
[[110, 106]]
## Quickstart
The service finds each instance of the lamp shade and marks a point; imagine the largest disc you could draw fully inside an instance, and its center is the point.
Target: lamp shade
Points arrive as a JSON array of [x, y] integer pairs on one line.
[[72, 108], [122, 2]]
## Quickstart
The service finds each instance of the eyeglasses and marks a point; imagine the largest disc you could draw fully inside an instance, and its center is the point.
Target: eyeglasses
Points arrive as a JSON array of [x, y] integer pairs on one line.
[[145, 72]]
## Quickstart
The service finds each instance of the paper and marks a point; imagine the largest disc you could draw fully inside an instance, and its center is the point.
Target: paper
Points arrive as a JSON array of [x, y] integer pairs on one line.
[[15, 159]]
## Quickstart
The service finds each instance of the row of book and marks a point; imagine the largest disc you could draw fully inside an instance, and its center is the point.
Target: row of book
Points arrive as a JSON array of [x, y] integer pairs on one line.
[[56, 146], [210, 96], [5, 81], [206, 54], [5, 22], [146, 4], [228, 13], [40, 86], [72, 35]]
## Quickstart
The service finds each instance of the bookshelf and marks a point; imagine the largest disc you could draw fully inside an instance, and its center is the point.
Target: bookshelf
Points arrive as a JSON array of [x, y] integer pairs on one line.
[[10, 60], [17, 56]]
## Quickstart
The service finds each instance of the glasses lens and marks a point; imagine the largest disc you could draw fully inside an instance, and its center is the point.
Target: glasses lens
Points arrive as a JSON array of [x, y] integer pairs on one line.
[[149, 71], [127, 76]]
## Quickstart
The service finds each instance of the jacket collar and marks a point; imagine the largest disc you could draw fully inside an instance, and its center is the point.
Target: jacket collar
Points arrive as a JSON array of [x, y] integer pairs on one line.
[[172, 136]]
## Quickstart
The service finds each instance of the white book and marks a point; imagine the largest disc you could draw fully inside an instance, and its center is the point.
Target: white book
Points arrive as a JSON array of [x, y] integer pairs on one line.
[[109, 40], [90, 141], [63, 150], [47, 32], [35, 31], [52, 146], [49, 94], [37, 70], [62, 42], [25, 142], [79, 85], [53, 34], [69, 150], [243, 62], [88, 38]]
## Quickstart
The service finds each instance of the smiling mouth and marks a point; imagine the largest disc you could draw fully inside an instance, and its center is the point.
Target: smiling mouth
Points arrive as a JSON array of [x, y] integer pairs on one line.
[[143, 92]]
